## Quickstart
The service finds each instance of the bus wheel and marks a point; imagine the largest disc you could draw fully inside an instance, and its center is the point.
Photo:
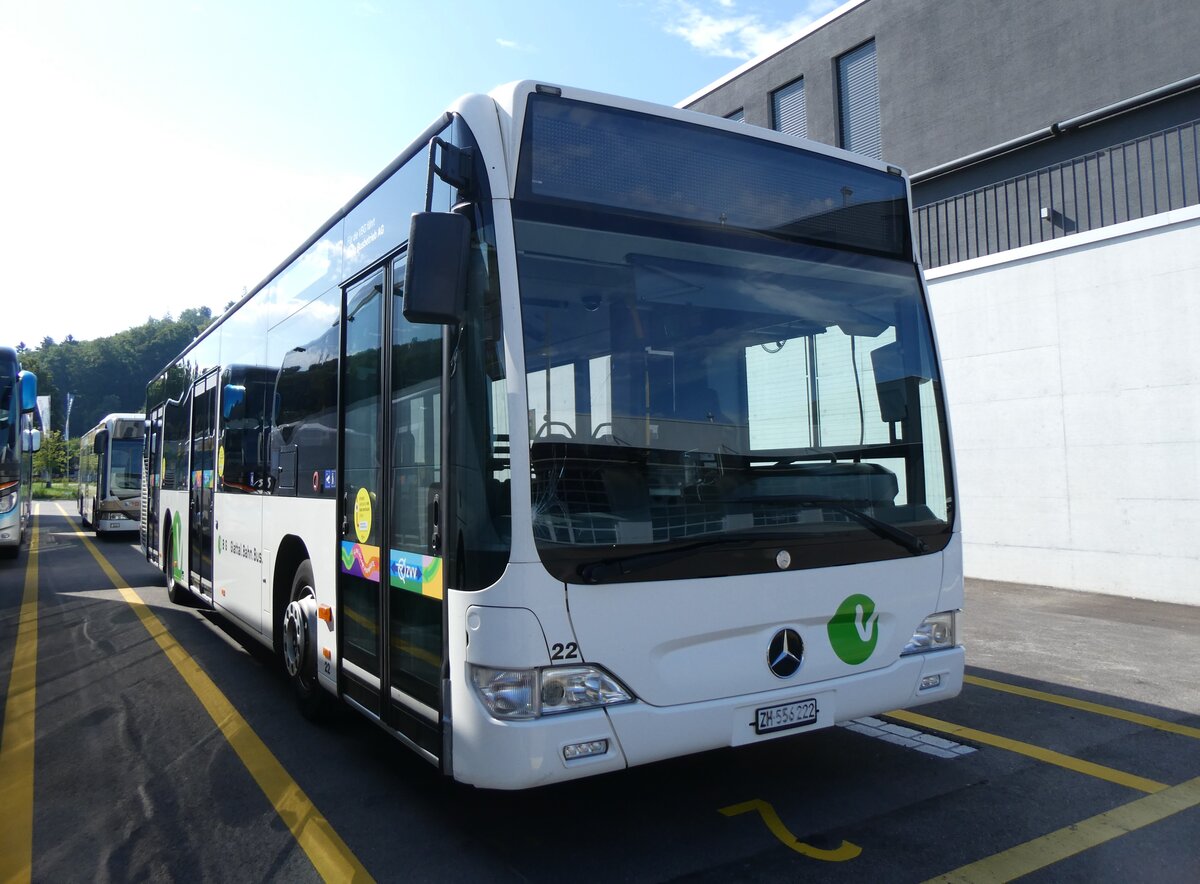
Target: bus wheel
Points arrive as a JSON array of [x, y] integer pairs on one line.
[[300, 646], [175, 592]]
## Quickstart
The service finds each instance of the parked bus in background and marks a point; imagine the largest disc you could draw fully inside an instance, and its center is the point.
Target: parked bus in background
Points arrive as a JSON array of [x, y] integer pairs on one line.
[[18, 442], [589, 433], [110, 473]]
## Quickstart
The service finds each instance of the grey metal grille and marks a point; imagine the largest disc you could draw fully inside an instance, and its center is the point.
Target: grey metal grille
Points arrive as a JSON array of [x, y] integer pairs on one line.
[[858, 101], [1148, 175], [789, 113]]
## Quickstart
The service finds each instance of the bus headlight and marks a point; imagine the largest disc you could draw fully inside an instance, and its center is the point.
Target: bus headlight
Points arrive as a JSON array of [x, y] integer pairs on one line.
[[579, 687], [517, 694], [936, 633], [8, 500]]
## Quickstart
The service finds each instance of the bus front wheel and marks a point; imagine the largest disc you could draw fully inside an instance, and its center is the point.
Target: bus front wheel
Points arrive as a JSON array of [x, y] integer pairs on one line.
[[300, 645]]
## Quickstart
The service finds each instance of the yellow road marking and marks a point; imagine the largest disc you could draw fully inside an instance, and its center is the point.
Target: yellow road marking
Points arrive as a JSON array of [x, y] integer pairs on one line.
[[1070, 840], [331, 857], [779, 830], [1084, 705], [17, 742], [1047, 755]]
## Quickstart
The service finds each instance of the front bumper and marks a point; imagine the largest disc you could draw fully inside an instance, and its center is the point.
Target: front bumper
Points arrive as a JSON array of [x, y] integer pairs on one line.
[[521, 754]]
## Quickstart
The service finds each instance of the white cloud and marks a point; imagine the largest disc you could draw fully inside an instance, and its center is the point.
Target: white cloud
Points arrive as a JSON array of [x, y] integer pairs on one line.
[[513, 45], [717, 28]]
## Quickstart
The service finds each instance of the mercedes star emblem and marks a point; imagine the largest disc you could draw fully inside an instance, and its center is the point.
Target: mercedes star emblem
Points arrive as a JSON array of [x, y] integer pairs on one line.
[[785, 652]]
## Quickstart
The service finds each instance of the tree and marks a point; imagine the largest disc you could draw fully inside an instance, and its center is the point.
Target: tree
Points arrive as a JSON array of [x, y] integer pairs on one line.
[[109, 374], [51, 458]]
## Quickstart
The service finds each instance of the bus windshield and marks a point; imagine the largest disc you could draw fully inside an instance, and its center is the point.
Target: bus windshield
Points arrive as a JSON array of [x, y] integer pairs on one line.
[[725, 374], [9, 410], [125, 474]]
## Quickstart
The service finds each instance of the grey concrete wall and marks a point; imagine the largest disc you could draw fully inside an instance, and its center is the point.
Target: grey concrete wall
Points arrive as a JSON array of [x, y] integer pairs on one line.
[[958, 76]]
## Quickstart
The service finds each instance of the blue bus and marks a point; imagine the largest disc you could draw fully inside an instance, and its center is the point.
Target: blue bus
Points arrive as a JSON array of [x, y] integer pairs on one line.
[[18, 441]]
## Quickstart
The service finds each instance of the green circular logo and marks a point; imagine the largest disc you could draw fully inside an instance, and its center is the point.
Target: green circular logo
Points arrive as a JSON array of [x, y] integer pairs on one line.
[[854, 629]]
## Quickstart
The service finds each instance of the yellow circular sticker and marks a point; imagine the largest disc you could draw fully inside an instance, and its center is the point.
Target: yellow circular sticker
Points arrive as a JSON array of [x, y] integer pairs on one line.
[[221, 461], [362, 515]]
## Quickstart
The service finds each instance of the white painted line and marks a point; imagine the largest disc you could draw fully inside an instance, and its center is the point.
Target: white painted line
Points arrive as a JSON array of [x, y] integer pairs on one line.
[[910, 738]]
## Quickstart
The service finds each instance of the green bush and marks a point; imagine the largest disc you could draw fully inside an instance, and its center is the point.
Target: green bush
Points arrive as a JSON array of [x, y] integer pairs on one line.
[[42, 491]]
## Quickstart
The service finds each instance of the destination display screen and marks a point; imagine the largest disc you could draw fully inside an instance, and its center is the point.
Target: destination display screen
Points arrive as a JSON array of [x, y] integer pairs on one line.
[[584, 153]]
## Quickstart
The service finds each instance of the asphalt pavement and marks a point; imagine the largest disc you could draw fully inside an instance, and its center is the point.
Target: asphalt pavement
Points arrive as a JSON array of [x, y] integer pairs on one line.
[[1147, 652], [148, 741]]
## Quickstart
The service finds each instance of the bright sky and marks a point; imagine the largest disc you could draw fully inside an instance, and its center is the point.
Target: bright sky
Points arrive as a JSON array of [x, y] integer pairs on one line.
[[157, 155]]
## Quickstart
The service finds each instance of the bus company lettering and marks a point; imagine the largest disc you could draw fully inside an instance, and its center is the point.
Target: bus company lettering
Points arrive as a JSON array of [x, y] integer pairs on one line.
[[405, 571], [363, 237], [242, 550]]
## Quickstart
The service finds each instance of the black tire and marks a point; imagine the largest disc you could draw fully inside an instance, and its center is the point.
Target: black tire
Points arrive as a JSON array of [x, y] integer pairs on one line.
[[299, 646], [175, 592], [10, 552]]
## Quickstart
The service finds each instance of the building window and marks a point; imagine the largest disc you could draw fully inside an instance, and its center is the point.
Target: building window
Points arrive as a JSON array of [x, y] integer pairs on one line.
[[738, 116], [858, 101], [788, 113]]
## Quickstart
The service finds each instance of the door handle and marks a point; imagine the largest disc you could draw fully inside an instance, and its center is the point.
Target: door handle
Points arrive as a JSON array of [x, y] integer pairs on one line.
[[435, 541]]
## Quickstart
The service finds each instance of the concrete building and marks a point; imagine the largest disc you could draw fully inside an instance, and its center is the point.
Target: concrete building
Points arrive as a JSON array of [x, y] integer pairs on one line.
[[1054, 150]]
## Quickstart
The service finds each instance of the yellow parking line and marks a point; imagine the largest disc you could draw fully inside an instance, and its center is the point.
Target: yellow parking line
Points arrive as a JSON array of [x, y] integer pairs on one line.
[[1084, 705], [1047, 755], [1070, 840], [331, 857], [17, 742], [841, 853]]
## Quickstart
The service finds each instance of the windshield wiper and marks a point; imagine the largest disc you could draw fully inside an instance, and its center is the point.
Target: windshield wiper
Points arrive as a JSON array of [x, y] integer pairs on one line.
[[880, 528]]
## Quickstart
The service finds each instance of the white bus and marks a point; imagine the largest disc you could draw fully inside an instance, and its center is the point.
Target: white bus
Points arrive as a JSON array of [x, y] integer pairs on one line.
[[589, 433], [18, 442], [110, 473]]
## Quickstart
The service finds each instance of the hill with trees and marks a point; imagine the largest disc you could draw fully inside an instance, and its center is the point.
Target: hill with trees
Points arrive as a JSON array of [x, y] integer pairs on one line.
[[108, 374]]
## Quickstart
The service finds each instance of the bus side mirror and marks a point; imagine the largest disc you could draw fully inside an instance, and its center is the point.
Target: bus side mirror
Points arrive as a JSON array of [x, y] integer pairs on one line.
[[28, 382], [435, 271], [31, 441], [101, 442]]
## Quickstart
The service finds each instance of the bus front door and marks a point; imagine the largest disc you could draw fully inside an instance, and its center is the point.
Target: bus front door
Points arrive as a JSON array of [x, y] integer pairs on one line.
[[360, 521], [416, 519], [201, 482], [389, 568]]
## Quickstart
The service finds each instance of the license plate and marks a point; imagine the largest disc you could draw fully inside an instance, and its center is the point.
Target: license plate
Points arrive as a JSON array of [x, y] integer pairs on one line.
[[787, 715]]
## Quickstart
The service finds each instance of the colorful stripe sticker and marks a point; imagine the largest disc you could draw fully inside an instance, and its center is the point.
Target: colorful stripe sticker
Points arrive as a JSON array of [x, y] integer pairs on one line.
[[417, 573], [360, 560]]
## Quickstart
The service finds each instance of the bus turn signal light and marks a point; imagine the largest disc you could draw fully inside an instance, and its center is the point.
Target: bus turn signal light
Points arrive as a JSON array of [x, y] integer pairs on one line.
[[325, 613]]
